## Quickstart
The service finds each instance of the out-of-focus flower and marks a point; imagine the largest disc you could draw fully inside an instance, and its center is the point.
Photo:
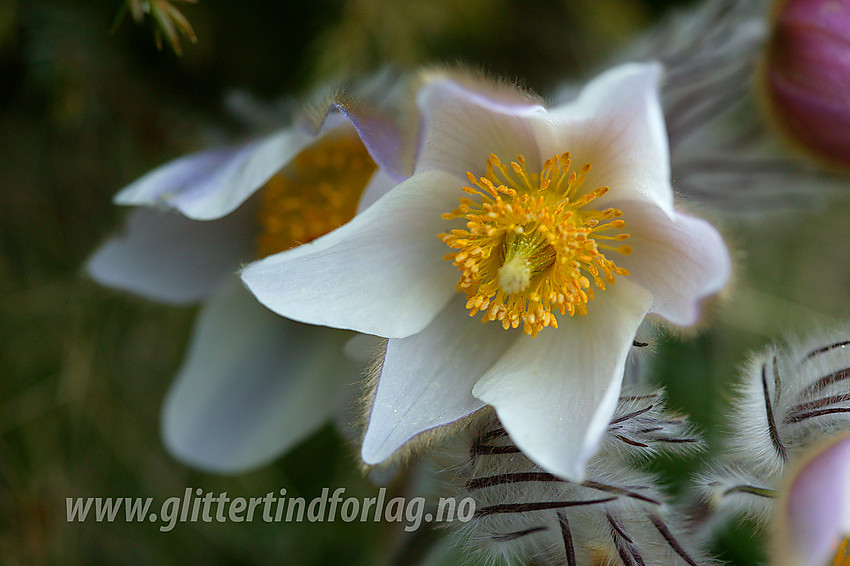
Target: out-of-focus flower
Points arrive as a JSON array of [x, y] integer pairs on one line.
[[252, 384], [811, 523], [789, 440], [724, 149], [807, 73], [617, 515], [539, 243]]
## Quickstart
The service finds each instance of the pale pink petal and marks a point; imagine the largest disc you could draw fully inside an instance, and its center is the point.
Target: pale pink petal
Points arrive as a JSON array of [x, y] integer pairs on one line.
[[815, 514]]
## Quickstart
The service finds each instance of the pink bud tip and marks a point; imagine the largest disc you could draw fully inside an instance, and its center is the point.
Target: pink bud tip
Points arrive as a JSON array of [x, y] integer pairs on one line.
[[808, 75], [814, 516]]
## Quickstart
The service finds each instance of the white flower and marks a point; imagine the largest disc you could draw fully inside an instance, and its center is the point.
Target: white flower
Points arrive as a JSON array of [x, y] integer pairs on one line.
[[252, 384], [540, 245]]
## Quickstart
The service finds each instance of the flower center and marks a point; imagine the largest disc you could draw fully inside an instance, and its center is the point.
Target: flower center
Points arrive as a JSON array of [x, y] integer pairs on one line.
[[315, 194], [531, 244], [842, 554]]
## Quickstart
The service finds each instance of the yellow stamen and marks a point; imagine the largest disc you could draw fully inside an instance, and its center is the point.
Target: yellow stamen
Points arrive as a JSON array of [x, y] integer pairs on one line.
[[842, 554], [531, 246], [315, 194]]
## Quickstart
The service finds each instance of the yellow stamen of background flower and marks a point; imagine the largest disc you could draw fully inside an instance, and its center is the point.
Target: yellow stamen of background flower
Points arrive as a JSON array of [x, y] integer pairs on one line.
[[531, 244], [315, 194], [842, 554]]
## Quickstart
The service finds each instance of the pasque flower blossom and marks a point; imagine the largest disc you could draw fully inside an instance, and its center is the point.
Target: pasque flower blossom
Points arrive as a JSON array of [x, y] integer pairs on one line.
[[555, 228], [252, 384]]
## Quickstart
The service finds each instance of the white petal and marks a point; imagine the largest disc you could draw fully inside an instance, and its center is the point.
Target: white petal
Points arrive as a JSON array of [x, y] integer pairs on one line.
[[380, 184], [383, 273], [169, 258], [555, 394], [426, 380], [617, 126], [462, 128], [680, 260], [252, 385], [211, 184], [390, 146]]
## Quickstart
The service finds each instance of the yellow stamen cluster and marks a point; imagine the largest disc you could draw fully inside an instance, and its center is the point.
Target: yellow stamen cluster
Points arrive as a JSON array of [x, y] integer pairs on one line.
[[842, 554], [531, 246], [315, 194]]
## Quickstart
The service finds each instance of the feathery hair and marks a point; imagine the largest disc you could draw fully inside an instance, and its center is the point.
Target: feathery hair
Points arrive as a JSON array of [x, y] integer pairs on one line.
[[617, 516]]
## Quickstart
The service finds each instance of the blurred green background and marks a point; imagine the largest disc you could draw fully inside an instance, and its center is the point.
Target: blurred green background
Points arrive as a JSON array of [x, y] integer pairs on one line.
[[88, 103]]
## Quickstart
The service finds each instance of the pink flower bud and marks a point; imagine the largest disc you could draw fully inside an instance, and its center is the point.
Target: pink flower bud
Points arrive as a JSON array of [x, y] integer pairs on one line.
[[808, 75], [813, 517]]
